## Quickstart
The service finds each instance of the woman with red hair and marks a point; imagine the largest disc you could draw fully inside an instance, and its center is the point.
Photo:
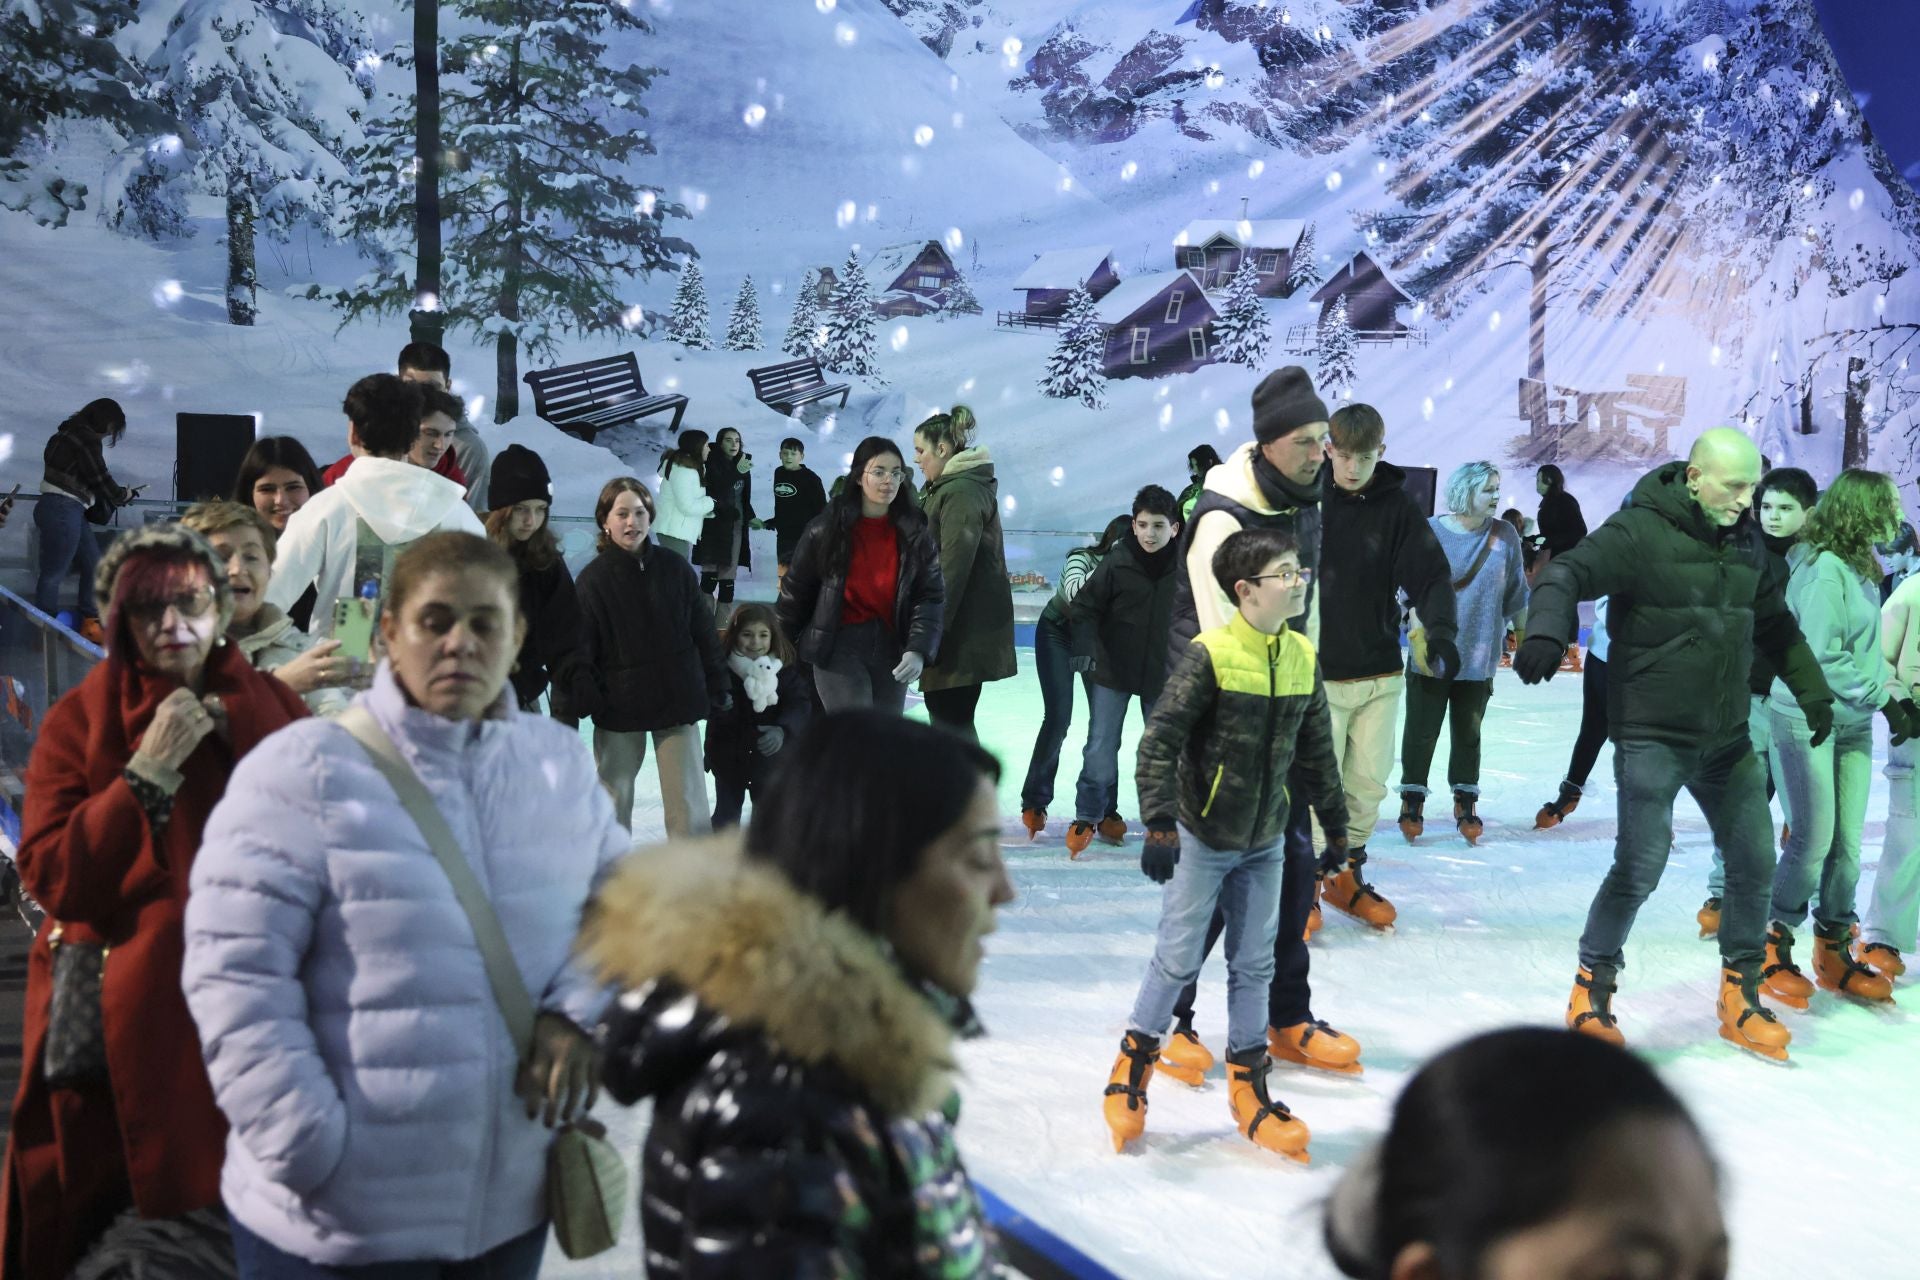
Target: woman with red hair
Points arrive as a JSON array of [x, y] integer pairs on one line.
[[115, 1119]]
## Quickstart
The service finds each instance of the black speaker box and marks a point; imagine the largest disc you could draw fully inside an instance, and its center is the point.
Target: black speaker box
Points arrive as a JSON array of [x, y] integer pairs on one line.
[[208, 451]]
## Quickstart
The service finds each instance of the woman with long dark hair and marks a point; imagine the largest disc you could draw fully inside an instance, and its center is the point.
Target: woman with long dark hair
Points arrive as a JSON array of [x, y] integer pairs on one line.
[[1053, 661], [1559, 520], [76, 491], [1531, 1154], [962, 502], [792, 1007], [863, 597], [724, 547], [519, 502]]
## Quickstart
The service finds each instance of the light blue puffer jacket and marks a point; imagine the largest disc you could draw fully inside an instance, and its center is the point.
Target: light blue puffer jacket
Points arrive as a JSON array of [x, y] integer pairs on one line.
[[351, 1036]]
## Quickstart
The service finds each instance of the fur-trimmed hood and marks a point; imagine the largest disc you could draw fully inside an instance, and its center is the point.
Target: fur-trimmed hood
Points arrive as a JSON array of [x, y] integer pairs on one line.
[[767, 958]]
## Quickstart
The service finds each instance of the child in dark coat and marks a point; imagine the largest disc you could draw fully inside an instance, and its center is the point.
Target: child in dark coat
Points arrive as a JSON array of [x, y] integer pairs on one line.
[[770, 704]]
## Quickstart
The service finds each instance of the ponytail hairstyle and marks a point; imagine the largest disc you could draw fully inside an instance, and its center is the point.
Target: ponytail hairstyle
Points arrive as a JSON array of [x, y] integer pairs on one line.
[[953, 430], [1858, 509], [1552, 477], [610, 494], [1487, 1139], [1116, 529], [685, 452], [843, 508]]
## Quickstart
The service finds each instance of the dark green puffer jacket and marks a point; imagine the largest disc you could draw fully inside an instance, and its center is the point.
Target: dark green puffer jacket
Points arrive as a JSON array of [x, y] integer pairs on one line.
[[1689, 602], [1239, 710]]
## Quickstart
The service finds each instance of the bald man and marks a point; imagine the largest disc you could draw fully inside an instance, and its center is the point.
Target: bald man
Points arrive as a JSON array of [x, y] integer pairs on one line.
[[1691, 593]]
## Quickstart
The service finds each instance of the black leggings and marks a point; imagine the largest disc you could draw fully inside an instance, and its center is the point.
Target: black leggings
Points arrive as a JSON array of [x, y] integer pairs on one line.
[[953, 707], [1593, 721], [709, 584]]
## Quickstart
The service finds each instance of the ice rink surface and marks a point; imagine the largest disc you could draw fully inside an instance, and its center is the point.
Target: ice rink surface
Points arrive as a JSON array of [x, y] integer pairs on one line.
[[1819, 1154]]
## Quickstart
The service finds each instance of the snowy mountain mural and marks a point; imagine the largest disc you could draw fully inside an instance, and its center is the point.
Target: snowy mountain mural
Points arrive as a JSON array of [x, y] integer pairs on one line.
[[1580, 231]]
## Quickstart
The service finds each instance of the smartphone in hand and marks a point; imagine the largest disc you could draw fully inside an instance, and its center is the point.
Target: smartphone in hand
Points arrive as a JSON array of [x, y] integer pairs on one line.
[[353, 627]]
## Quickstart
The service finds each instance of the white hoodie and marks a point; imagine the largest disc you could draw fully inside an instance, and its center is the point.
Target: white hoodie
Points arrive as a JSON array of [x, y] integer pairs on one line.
[[399, 501]]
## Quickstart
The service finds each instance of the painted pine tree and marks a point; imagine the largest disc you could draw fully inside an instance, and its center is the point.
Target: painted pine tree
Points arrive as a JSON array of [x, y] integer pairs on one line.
[[743, 323], [1243, 333], [803, 329], [550, 222], [687, 322], [1303, 272], [1077, 369], [1337, 373], [850, 324], [960, 298]]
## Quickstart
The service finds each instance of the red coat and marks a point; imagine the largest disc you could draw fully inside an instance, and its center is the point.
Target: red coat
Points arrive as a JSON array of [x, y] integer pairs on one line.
[[448, 466], [151, 1137]]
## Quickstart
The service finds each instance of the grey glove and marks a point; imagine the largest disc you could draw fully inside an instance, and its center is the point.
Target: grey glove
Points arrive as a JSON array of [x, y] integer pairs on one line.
[[1083, 663], [770, 739]]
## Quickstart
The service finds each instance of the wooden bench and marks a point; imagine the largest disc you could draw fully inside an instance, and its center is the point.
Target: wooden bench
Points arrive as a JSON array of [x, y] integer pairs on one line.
[[585, 399], [789, 385]]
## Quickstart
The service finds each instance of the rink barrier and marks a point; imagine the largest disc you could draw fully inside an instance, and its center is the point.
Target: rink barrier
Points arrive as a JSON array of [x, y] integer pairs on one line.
[[1034, 1252]]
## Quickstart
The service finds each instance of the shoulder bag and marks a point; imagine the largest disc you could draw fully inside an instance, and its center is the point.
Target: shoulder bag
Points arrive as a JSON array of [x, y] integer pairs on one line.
[[586, 1179], [1417, 635]]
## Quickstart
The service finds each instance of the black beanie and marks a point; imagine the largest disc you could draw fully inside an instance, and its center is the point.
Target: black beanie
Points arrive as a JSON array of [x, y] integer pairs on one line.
[[1284, 400], [518, 476]]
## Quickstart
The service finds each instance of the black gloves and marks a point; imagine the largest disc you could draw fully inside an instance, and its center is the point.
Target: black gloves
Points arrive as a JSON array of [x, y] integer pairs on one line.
[[1538, 659], [1333, 859], [1083, 663], [722, 704], [1819, 720], [1443, 658], [1903, 720], [1161, 854]]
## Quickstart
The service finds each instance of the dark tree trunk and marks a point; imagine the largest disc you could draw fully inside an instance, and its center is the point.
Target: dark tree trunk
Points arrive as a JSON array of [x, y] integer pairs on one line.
[[1806, 404], [1540, 270], [1855, 445], [243, 277], [429, 323], [506, 345]]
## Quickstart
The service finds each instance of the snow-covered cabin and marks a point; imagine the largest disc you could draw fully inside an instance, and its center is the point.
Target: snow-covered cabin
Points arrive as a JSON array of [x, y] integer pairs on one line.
[[1055, 274], [1157, 325], [1214, 248], [910, 279], [825, 281], [1372, 297]]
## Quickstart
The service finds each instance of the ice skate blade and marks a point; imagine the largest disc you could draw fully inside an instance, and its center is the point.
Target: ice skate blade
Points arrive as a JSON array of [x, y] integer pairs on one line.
[[1798, 1004], [1301, 1060], [1709, 933], [1854, 997], [1185, 1075], [1758, 1051]]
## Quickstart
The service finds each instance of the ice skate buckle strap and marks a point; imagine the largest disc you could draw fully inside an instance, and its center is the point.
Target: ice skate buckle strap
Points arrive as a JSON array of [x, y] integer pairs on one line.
[[1277, 1109], [1604, 990]]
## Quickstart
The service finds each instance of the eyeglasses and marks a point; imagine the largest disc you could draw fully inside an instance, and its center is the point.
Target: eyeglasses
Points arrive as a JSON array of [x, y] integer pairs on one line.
[[895, 474], [1286, 577], [188, 604]]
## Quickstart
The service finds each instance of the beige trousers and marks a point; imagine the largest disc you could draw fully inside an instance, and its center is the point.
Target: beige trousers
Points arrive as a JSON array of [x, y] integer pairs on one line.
[[683, 776], [1364, 714]]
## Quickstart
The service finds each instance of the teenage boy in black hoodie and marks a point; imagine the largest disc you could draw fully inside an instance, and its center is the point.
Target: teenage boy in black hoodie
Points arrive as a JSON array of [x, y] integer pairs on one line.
[[1119, 622], [1374, 542], [798, 497]]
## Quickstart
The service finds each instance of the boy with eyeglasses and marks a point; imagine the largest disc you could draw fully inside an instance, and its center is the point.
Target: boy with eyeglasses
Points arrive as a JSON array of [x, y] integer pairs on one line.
[[1244, 705], [1375, 543]]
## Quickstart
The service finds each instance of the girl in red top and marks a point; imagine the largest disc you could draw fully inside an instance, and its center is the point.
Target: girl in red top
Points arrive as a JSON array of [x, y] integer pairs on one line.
[[863, 596]]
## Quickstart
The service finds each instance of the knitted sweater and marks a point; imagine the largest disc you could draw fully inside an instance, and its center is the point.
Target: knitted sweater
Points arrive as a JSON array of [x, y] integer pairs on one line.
[[1498, 592]]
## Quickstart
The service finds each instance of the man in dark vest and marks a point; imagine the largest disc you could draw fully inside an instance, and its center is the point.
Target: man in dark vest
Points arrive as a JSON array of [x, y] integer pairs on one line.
[[1271, 482], [1691, 591]]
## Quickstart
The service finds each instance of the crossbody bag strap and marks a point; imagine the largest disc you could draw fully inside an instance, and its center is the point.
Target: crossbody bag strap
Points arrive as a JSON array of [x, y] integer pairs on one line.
[[503, 975], [1473, 570]]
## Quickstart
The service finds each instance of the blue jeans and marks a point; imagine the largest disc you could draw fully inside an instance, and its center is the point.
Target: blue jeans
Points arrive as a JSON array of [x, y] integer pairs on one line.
[[517, 1259], [1053, 660], [1245, 885], [64, 538], [1826, 789], [1098, 793], [1726, 781], [1760, 733]]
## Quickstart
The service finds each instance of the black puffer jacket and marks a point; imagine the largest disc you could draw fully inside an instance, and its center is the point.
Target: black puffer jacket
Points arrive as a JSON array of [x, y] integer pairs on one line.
[[813, 592], [803, 1111], [1561, 524], [1688, 601], [733, 735], [1120, 617], [552, 611], [649, 655], [732, 492]]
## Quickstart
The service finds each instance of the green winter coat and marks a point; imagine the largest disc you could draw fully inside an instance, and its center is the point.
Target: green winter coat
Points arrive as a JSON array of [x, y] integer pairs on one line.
[[963, 511], [1688, 603], [1238, 711]]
